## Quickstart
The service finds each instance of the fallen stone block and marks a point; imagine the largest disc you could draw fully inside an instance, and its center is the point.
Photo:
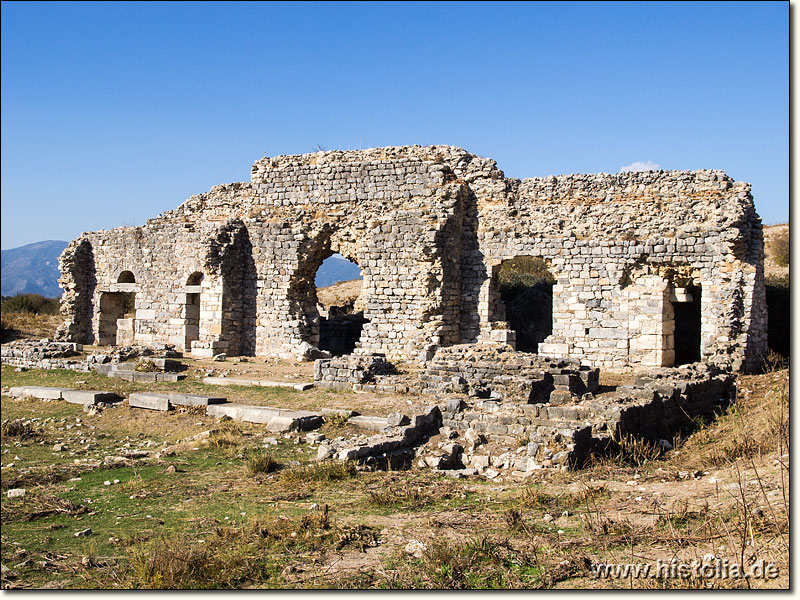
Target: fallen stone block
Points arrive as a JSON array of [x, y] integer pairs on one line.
[[330, 412], [124, 375], [41, 393], [144, 377], [370, 423], [149, 401], [88, 397], [301, 387], [276, 420], [194, 399], [170, 377]]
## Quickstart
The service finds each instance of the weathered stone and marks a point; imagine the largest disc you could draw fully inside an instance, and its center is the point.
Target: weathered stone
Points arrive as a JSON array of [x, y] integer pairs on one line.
[[149, 401], [232, 271], [397, 419], [88, 396], [277, 420], [178, 399], [371, 423]]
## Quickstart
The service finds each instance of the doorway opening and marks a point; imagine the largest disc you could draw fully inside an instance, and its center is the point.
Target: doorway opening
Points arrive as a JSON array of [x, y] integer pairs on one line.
[[686, 310], [191, 310], [340, 305], [526, 289], [118, 313]]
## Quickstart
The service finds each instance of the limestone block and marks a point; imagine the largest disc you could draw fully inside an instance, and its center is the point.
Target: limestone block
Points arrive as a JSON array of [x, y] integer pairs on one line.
[[88, 397], [149, 401]]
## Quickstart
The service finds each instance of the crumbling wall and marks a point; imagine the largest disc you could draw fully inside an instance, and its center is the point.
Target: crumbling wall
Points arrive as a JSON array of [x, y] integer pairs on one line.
[[429, 228], [619, 246]]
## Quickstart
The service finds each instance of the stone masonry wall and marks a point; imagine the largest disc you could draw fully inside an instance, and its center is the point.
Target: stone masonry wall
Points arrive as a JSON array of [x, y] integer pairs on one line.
[[429, 228]]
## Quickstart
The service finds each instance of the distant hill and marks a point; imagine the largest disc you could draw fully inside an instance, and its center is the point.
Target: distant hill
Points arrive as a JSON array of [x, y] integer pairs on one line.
[[335, 269], [32, 269]]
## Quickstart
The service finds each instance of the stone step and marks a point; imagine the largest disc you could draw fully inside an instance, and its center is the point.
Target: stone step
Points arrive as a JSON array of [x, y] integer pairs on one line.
[[149, 401], [370, 423], [276, 419], [301, 387], [41, 393], [88, 397]]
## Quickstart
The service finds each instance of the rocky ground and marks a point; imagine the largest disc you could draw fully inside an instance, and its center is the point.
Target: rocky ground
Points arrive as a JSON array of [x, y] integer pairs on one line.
[[126, 498]]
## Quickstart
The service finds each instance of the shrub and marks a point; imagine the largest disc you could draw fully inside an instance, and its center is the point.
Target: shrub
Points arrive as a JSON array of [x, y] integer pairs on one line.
[[779, 248], [30, 303], [146, 366], [261, 462], [520, 273], [17, 428]]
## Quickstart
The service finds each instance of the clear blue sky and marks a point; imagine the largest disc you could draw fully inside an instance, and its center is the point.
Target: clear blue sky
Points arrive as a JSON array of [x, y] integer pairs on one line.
[[114, 113]]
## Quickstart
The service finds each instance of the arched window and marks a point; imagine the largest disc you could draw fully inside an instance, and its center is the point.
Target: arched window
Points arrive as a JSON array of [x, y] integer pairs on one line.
[[195, 278], [126, 277]]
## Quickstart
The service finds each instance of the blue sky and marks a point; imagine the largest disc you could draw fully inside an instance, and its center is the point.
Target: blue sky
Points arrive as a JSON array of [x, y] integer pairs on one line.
[[114, 113]]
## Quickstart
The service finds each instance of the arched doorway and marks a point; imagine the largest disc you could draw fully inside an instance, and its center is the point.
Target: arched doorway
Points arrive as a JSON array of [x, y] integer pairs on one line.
[[340, 304]]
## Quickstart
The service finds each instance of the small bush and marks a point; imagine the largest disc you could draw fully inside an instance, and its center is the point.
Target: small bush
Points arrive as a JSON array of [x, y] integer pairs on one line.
[[146, 366], [261, 462], [779, 248], [17, 428], [228, 435], [404, 496], [337, 420]]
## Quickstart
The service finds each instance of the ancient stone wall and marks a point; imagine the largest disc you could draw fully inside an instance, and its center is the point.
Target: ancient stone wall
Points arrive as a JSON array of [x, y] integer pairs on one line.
[[429, 228]]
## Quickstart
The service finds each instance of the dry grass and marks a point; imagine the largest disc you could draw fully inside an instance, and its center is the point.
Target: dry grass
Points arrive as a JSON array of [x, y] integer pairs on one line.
[[24, 325], [755, 426]]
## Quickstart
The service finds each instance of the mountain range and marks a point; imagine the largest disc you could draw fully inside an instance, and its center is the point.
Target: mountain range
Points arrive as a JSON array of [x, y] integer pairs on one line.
[[33, 269]]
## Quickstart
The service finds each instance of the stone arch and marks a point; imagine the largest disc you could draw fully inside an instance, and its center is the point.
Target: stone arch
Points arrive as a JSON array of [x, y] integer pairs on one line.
[[304, 304], [229, 290], [116, 315], [126, 277], [195, 278], [525, 285], [341, 321]]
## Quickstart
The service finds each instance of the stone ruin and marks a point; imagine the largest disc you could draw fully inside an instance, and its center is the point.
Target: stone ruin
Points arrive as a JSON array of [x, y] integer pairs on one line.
[[658, 272], [651, 269]]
